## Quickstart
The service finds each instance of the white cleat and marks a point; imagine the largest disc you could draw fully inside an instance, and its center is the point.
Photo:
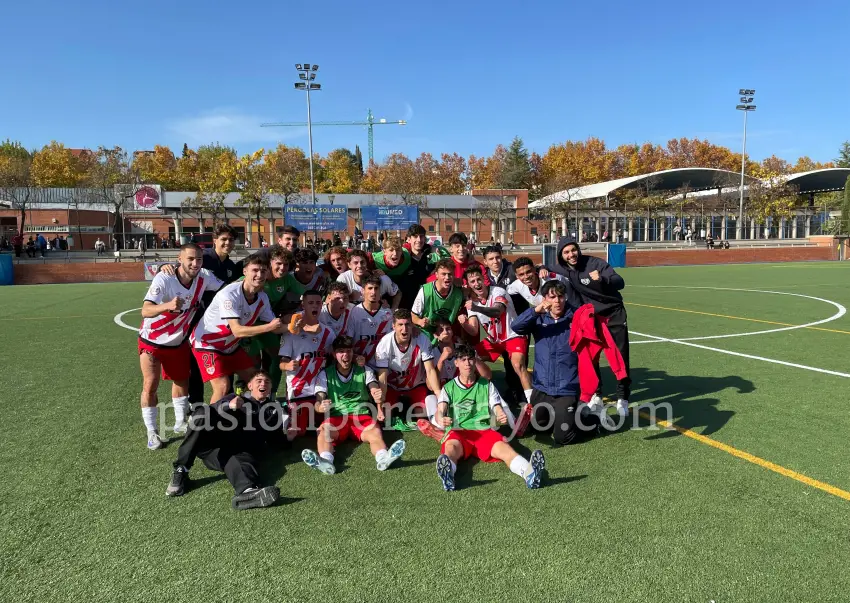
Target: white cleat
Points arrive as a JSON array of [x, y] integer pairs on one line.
[[154, 441], [316, 462], [391, 456], [623, 408], [596, 404]]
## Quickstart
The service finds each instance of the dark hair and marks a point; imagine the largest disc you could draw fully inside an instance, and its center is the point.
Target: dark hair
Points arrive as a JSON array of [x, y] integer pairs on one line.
[[442, 322], [279, 252], [523, 261], [260, 372], [559, 288], [415, 230], [445, 263], [303, 256], [372, 280], [356, 253], [343, 342], [401, 314], [338, 287], [473, 269], [464, 350], [282, 230], [255, 258], [190, 246], [491, 250], [333, 250], [224, 229], [458, 237], [310, 292]]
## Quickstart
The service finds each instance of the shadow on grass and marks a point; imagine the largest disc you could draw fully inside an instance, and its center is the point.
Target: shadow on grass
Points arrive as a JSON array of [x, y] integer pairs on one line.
[[688, 397]]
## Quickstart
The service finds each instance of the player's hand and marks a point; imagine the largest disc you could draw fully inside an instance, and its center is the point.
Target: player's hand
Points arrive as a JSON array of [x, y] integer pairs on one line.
[[295, 326], [468, 305], [462, 319], [377, 272], [324, 406], [355, 296], [385, 303], [594, 275], [380, 416], [360, 360], [236, 403], [445, 421], [275, 325], [445, 336], [426, 322], [501, 417], [168, 269], [543, 274], [543, 307], [292, 365], [175, 305]]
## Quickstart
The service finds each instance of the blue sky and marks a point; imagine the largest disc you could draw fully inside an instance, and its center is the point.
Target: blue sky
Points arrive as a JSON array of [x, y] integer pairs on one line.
[[466, 75]]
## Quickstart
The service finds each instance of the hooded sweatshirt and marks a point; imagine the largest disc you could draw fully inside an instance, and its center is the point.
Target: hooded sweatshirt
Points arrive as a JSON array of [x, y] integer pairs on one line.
[[603, 294]]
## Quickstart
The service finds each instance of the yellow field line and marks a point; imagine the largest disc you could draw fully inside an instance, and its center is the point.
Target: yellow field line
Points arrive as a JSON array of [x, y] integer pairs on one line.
[[769, 322], [751, 458]]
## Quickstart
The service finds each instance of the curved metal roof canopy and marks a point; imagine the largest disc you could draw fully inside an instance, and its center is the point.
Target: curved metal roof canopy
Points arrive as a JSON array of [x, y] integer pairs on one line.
[[819, 181]]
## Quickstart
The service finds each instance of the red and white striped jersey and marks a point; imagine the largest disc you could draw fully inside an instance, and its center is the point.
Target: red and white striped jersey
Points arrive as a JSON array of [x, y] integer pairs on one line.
[[213, 331], [337, 325], [367, 329], [170, 329], [449, 370], [310, 349], [406, 370], [519, 288], [498, 329]]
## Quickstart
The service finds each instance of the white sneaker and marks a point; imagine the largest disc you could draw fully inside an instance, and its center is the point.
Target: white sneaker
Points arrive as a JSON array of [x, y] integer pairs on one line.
[[154, 441], [180, 428], [596, 404], [623, 408]]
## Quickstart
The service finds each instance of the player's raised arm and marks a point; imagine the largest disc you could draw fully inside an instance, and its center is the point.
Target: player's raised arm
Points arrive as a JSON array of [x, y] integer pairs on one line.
[[151, 310], [241, 331], [432, 377]]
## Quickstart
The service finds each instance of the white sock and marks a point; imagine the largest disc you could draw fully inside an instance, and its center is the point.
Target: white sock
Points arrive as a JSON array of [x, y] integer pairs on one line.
[[181, 409], [149, 416], [528, 393], [520, 466], [328, 456], [380, 454]]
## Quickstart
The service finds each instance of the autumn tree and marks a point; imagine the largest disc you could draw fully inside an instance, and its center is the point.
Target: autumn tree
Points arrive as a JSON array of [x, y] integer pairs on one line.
[[398, 176], [157, 167], [449, 175], [288, 171], [769, 198], [254, 185], [338, 173], [486, 172], [110, 182], [55, 166], [17, 186], [216, 178]]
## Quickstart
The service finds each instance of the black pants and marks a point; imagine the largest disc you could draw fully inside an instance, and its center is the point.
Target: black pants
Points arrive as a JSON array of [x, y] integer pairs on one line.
[[220, 451], [620, 334], [560, 414]]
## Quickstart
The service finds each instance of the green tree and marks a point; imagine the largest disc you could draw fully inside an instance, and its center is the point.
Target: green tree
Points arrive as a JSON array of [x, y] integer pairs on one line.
[[359, 156], [10, 148], [844, 155], [845, 208], [516, 173]]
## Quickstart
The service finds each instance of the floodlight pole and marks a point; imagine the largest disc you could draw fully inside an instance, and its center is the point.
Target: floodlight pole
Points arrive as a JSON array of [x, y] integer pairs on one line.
[[746, 106], [307, 74]]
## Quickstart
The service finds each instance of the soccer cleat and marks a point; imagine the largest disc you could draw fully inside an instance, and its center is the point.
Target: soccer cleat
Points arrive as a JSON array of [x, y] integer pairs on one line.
[[596, 402], [316, 462], [623, 407], [179, 479], [154, 441], [445, 473], [429, 430], [253, 498], [394, 453], [538, 470], [180, 428], [524, 419]]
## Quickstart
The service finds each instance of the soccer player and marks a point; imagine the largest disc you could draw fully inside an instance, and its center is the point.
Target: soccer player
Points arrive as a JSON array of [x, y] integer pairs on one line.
[[350, 389], [593, 281], [336, 262], [229, 436], [464, 411], [232, 315], [395, 262], [336, 309], [500, 272], [423, 257], [168, 313], [302, 357], [440, 298], [304, 278], [355, 277], [460, 258], [491, 308], [368, 322], [406, 370], [525, 290]]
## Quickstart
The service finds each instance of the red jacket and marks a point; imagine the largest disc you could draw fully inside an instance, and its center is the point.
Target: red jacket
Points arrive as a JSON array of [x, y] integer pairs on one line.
[[589, 337]]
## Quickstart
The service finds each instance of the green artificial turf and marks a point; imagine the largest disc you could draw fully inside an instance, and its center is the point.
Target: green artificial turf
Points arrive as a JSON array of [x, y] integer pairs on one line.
[[638, 515]]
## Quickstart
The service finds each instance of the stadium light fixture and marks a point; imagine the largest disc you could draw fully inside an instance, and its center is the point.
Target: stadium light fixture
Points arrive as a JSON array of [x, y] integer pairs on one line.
[[747, 97], [298, 66]]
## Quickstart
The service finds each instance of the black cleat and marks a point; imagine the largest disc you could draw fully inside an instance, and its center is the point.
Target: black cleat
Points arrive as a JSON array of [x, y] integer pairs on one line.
[[179, 480], [253, 498]]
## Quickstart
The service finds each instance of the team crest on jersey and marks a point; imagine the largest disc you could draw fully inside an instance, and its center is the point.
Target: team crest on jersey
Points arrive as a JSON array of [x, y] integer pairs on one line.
[[228, 305], [229, 273], [280, 289], [210, 370], [315, 340], [585, 281], [156, 290]]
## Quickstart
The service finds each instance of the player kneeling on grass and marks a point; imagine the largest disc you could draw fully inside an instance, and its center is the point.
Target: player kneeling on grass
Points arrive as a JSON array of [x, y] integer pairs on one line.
[[229, 436], [350, 388], [464, 410]]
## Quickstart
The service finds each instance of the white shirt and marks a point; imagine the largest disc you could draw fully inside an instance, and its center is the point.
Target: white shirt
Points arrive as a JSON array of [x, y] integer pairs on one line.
[[387, 286], [170, 329], [406, 368], [213, 332], [310, 349], [367, 329], [498, 329], [337, 325], [519, 288]]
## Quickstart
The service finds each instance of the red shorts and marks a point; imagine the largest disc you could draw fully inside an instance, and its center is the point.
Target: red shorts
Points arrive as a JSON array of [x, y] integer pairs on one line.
[[416, 395], [491, 352], [350, 425], [175, 362], [214, 365], [479, 442], [301, 411]]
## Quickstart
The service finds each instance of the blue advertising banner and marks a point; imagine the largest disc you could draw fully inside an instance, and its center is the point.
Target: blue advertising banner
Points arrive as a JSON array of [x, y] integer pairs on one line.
[[389, 217], [316, 217]]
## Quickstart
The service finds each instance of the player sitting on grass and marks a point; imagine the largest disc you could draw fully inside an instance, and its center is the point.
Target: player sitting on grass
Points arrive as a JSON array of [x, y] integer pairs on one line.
[[347, 402], [229, 436], [464, 410], [167, 314]]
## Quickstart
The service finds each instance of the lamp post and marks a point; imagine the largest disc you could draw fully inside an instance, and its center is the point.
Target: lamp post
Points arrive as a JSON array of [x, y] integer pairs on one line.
[[746, 106], [307, 73]]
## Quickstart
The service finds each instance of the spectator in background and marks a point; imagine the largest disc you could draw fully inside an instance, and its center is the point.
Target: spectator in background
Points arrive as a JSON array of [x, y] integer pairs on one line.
[[18, 244], [41, 244], [31, 246], [99, 246], [709, 241]]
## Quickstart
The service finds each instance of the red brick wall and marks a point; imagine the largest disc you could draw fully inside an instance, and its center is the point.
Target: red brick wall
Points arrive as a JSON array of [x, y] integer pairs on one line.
[[40, 274]]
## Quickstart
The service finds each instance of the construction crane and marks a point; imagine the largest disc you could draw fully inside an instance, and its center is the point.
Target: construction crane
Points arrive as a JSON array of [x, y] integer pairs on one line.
[[370, 122]]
